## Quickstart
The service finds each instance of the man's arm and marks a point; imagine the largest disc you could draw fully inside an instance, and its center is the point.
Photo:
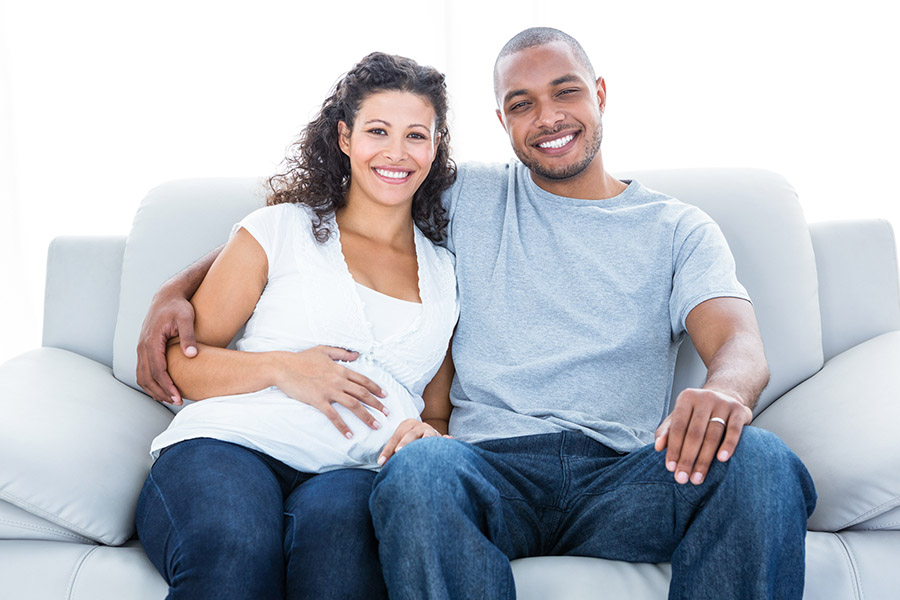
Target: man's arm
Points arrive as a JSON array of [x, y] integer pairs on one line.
[[706, 423], [170, 315]]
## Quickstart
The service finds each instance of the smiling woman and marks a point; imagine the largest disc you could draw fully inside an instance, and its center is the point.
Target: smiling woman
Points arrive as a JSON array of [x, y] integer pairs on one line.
[[347, 308]]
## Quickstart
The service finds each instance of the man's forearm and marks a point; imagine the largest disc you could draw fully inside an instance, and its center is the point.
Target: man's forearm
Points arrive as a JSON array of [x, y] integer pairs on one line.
[[186, 282], [739, 369]]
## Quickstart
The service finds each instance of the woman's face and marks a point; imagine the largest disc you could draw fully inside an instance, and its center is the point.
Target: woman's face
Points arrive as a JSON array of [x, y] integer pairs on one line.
[[391, 147]]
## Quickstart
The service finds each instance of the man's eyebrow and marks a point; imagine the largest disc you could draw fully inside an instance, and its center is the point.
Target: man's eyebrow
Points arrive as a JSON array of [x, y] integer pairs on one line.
[[510, 95], [565, 79]]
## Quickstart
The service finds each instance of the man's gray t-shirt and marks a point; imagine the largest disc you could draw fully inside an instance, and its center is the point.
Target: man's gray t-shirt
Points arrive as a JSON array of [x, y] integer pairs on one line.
[[572, 310]]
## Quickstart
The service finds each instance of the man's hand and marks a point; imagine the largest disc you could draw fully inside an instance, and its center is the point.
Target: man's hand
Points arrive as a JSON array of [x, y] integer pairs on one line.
[[314, 377], [168, 316], [705, 424], [408, 431]]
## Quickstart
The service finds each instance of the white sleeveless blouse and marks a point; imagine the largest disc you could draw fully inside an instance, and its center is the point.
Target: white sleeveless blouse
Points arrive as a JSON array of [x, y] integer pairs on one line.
[[311, 299]]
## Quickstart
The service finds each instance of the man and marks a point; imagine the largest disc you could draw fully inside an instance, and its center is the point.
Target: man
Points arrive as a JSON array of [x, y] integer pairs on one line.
[[576, 289]]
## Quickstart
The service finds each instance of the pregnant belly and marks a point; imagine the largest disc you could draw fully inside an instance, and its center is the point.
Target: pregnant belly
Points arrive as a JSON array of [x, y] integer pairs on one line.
[[296, 433]]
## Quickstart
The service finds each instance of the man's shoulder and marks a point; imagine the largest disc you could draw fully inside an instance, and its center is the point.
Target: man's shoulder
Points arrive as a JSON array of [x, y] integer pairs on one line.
[[474, 173]]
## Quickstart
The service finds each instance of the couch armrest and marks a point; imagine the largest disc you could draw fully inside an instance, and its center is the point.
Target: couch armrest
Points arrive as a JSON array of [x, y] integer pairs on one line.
[[859, 293], [82, 295], [842, 423]]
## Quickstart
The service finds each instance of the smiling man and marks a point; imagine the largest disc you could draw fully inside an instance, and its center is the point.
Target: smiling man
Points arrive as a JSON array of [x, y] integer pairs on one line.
[[576, 290]]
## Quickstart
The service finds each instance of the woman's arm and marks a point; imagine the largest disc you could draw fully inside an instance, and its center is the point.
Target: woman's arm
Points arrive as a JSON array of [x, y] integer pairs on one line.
[[435, 415], [170, 314], [222, 304]]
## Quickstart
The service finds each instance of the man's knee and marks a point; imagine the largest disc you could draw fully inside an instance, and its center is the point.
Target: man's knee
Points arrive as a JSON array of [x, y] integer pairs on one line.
[[764, 466]]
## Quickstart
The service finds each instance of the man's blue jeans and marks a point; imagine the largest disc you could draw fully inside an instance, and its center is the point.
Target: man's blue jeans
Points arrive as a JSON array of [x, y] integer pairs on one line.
[[449, 516], [222, 521]]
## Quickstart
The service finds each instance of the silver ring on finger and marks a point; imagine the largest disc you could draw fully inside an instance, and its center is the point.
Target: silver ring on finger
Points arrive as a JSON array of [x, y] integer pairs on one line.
[[718, 420]]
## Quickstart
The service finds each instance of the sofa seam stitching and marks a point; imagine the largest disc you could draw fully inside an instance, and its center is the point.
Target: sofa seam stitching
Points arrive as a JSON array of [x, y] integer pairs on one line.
[[854, 571], [44, 514], [73, 578], [60, 532], [894, 502]]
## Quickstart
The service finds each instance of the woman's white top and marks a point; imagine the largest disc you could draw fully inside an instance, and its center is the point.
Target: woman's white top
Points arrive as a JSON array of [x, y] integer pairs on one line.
[[311, 299]]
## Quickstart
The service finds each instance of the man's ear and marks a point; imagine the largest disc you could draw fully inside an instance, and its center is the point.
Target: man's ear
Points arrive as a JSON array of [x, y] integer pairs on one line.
[[601, 93], [502, 122], [344, 137]]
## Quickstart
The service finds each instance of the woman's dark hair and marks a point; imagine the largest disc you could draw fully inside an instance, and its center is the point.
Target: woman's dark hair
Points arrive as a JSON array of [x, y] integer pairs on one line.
[[317, 173]]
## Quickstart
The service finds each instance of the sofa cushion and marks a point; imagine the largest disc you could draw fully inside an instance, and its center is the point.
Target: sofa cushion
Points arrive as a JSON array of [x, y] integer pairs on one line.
[[842, 423], [177, 223], [75, 443], [761, 218], [35, 569]]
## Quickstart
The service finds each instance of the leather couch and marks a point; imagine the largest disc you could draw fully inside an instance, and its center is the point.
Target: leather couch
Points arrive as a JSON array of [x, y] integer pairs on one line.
[[75, 428]]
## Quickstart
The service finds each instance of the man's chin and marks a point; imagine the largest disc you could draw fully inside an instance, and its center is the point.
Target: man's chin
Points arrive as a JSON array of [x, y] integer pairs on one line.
[[557, 173]]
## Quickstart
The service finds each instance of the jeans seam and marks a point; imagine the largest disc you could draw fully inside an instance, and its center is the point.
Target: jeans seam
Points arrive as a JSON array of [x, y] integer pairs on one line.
[[175, 531], [636, 484]]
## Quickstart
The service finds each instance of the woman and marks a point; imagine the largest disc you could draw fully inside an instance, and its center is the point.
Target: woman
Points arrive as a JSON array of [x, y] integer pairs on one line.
[[341, 258]]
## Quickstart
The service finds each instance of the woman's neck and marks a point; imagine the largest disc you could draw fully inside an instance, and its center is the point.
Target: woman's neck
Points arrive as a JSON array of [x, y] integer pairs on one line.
[[388, 225]]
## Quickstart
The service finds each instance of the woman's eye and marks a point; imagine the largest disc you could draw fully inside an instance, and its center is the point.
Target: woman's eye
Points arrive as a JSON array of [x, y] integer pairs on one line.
[[417, 136], [378, 131]]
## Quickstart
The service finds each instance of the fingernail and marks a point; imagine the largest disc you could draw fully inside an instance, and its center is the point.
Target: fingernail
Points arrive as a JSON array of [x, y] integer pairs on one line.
[[173, 399], [381, 460], [671, 466], [398, 449], [723, 455], [681, 477], [376, 425], [697, 478], [349, 435], [383, 393], [191, 351], [385, 411]]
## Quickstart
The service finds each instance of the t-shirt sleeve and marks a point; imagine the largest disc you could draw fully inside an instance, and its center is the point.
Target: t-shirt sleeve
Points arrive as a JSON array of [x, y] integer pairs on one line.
[[703, 269], [265, 225]]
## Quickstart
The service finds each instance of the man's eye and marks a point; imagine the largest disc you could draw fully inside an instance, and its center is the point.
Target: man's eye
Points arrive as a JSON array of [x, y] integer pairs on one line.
[[568, 91], [518, 105]]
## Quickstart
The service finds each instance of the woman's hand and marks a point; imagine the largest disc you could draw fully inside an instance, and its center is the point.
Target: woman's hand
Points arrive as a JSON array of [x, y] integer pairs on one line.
[[408, 431], [313, 377]]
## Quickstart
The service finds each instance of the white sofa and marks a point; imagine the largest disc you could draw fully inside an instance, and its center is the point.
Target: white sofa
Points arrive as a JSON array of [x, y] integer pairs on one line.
[[74, 428]]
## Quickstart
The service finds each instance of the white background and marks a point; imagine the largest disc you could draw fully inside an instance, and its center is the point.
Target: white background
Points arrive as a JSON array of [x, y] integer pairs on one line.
[[101, 100]]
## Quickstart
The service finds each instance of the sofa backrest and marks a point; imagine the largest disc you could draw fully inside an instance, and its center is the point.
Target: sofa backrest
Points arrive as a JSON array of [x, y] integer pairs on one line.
[[757, 210], [762, 220], [177, 223]]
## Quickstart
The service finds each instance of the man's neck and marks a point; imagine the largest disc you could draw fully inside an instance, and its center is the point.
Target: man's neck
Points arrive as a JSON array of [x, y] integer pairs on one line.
[[594, 183]]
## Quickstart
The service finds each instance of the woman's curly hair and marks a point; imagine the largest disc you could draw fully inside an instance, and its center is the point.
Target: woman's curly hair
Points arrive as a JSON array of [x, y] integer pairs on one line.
[[317, 173]]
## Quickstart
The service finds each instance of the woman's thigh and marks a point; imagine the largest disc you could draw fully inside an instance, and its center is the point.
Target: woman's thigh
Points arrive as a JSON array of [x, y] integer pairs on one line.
[[210, 518], [329, 542]]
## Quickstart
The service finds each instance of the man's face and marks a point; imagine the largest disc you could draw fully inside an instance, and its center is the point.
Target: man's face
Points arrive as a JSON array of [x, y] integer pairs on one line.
[[551, 109]]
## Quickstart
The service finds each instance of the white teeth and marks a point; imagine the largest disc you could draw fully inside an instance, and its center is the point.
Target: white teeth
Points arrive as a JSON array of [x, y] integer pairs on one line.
[[393, 174], [557, 143]]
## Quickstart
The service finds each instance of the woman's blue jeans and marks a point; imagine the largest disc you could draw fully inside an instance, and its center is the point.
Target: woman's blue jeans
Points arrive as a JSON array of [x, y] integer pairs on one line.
[[449, 516], [222, 521]]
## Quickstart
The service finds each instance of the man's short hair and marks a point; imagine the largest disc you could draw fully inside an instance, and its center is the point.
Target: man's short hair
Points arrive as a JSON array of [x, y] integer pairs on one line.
[[538, 36]]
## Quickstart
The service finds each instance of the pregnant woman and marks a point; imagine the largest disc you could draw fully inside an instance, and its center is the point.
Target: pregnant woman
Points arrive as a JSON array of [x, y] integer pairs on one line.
[[348, 308]]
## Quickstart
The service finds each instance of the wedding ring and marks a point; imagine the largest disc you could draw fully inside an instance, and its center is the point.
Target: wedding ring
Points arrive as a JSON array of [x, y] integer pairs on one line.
[[717, 420]]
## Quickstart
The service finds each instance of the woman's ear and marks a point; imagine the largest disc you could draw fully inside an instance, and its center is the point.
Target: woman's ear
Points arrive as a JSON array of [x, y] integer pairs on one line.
[[344, 137]]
